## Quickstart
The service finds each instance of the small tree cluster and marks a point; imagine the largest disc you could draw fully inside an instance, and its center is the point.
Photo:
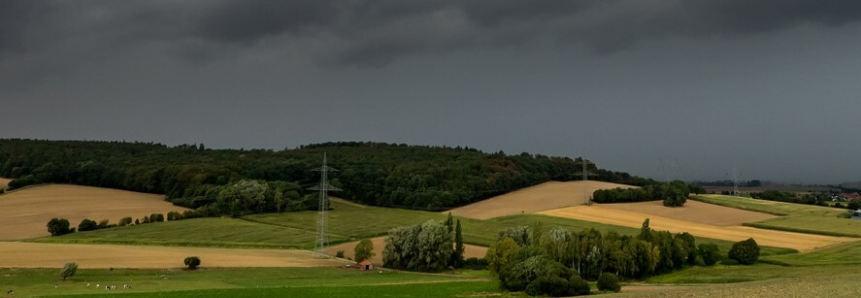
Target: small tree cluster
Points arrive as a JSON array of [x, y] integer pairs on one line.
[[674, 194], [422, 247]]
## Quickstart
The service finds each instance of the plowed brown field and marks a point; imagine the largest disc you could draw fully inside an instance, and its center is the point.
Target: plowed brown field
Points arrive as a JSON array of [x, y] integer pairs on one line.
[[41, 255], [694, 211], [542, 197], [380, 243], [26, 211], [601, 214]]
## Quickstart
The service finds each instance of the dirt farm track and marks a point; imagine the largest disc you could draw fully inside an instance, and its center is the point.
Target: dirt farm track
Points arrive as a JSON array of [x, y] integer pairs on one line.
[[42, 255]]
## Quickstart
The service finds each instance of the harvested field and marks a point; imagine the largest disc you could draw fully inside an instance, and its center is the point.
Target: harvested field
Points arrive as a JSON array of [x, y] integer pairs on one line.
[[694, 211], [26, 211], [800, 242], [542, 197], [380, 243], [4, 182], [89, 256]]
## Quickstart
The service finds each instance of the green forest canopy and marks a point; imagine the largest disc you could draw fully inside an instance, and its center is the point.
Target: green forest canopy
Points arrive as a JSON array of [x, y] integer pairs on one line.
[[380, 174]]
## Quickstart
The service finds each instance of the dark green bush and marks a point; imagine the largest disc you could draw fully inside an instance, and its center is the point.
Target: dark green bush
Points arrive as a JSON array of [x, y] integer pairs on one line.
[[475, 264], [339, 254], [88, 225], [609, 282], [577, 286], [745, 252], [58, 226], [192, 262], [125, 221], [553, 286], [174, 215], [710, 253]]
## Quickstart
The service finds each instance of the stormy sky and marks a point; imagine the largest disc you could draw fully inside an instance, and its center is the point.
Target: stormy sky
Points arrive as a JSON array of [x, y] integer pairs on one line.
[[658, 88]]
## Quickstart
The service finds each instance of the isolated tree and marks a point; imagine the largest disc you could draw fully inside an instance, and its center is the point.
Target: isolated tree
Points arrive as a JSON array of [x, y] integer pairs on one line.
[[88, 225], [58, 226], [364, 250], [745, 252], [192, 262], [424, 247], [68, 270]]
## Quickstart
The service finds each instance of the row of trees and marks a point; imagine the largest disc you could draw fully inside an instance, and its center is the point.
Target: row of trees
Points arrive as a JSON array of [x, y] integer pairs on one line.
[[525, 259], [395, 175], [674, 194], [61, 226], [429, 246]]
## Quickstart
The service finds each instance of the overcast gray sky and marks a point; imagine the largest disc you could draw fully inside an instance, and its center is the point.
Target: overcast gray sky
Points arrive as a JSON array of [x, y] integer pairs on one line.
[[695, 87]]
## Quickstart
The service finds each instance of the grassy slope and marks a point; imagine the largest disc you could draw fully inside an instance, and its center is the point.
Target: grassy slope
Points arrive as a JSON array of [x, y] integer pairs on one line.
[[37, 282], [453, 289], [214, 232], [794, 217], [841, 254]]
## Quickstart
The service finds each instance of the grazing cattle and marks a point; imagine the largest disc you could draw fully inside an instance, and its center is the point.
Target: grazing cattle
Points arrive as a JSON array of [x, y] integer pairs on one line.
[[10, 292], [127, 286]]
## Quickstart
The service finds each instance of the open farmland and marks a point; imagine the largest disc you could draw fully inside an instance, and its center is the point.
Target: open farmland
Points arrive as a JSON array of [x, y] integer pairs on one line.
[[46, 255], [795, 217], [693, 211], [4, 182], [542, 197], [800, 242], [27, 210]]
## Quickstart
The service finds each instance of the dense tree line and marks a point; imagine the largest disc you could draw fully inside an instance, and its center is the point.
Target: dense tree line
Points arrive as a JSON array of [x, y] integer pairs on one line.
[[525, 259], [673, 194], [395, 175]]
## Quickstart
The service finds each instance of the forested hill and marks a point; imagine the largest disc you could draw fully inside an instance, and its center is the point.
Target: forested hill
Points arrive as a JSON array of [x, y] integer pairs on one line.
[[419, 177]]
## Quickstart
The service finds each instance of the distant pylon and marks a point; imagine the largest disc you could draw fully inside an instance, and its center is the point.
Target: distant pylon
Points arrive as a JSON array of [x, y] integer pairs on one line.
[[585, 172], [323, 216]]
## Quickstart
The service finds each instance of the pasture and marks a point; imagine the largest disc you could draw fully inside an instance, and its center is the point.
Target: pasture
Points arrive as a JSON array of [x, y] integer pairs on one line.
[[534, 199], [27, 210], [794, 217], [222, 282]]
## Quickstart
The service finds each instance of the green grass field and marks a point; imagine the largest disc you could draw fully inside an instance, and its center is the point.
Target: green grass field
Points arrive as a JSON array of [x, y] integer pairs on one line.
[[793, 217], [42, 282], [210, 232], [346, 223]]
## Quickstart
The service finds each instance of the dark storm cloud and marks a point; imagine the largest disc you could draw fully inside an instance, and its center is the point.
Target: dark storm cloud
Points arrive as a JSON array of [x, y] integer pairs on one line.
[[376, 32]]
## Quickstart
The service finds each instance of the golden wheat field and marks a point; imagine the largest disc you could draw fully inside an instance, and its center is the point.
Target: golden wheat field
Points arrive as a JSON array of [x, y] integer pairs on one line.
[[694, 211], [602, 214], [380, 243], [542, 197], [44, 255], [26, 211]]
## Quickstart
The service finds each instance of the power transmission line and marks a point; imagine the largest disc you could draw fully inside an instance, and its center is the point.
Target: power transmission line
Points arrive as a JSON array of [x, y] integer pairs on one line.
[[323, 216]]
